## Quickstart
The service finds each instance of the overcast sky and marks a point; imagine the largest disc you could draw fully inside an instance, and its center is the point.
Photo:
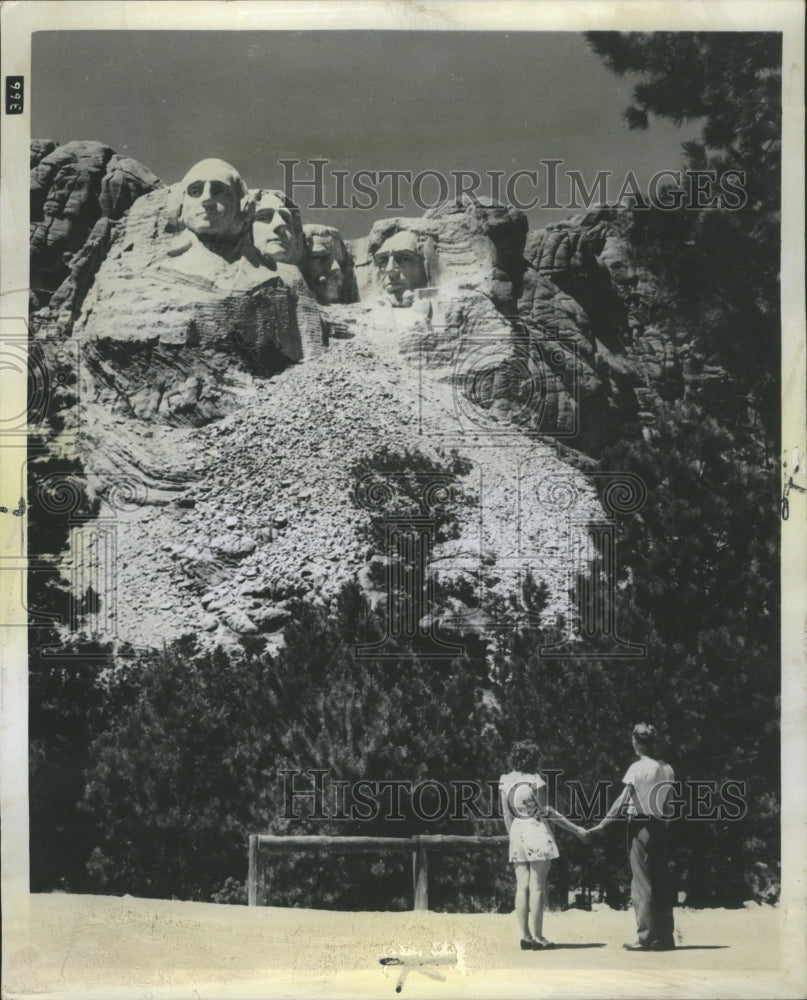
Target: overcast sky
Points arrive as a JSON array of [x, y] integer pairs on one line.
[[360, 99]]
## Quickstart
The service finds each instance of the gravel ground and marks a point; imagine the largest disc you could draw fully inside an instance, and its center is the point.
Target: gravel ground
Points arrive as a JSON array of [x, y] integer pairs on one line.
[[88, 946]]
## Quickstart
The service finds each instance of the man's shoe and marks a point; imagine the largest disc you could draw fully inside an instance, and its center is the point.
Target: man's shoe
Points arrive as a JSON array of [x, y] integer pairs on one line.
[[663, 946], [635, 946]]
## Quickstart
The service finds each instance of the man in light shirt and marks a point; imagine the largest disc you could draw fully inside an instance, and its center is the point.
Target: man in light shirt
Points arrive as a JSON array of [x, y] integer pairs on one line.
[[645, 801]]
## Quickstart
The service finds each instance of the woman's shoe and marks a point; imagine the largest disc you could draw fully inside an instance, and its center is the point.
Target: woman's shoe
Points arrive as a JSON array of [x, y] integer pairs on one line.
[[541, 944], [528, 944]]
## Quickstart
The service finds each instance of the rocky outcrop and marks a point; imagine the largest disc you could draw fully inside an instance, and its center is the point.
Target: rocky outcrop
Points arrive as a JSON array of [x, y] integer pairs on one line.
[[72, 187], [499, 232], [584, 293], [544, 329], [65, 304], [40, 149]]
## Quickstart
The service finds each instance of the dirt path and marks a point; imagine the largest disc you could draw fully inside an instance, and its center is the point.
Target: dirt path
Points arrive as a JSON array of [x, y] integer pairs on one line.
[[95, 946]]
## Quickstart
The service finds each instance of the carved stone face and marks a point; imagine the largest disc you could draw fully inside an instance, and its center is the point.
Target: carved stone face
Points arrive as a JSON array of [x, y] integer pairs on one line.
[[399, 265], [211, 200], [277, 230], [326, 260]]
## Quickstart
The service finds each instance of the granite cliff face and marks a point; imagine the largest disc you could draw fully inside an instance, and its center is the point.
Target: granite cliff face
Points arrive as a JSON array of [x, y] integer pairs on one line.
[[221, 422], [77, 191]]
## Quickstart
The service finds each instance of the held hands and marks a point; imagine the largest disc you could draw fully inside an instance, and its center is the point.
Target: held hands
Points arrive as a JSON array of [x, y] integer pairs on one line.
[[595, 830], [583, 834], [587, 836]]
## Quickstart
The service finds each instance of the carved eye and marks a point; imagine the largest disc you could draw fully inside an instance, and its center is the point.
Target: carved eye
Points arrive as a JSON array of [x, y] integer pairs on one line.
[[381, 259], [217, 189], [195, 189]]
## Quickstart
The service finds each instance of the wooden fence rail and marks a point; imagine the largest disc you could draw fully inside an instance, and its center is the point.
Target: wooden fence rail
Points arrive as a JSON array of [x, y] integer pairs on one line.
[[418, 845]]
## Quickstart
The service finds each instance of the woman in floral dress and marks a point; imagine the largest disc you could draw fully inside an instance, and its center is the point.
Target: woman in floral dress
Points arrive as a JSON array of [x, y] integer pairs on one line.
[[532, 845]]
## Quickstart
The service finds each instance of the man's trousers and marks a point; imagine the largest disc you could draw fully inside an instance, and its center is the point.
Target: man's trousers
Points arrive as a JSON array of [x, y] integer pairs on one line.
[[651, 886]]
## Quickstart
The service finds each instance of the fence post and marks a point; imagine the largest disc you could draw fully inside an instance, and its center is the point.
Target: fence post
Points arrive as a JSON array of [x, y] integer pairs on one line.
[[252, 875], [420, 877]]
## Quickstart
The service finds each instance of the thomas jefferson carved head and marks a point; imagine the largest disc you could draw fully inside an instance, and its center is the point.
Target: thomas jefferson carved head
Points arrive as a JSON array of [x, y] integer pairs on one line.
[[400, 267], [215, 201], [277, 228]]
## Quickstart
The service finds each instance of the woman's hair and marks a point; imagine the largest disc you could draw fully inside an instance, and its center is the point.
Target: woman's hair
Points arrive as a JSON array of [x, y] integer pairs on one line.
[[525, 756]]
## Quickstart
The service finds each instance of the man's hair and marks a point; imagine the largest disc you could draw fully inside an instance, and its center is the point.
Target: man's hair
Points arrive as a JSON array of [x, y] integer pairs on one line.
[[525, 756], [644, 734]]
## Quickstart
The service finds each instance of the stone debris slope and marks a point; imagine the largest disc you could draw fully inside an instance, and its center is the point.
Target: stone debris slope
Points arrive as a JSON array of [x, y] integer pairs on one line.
[[269, 512]]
